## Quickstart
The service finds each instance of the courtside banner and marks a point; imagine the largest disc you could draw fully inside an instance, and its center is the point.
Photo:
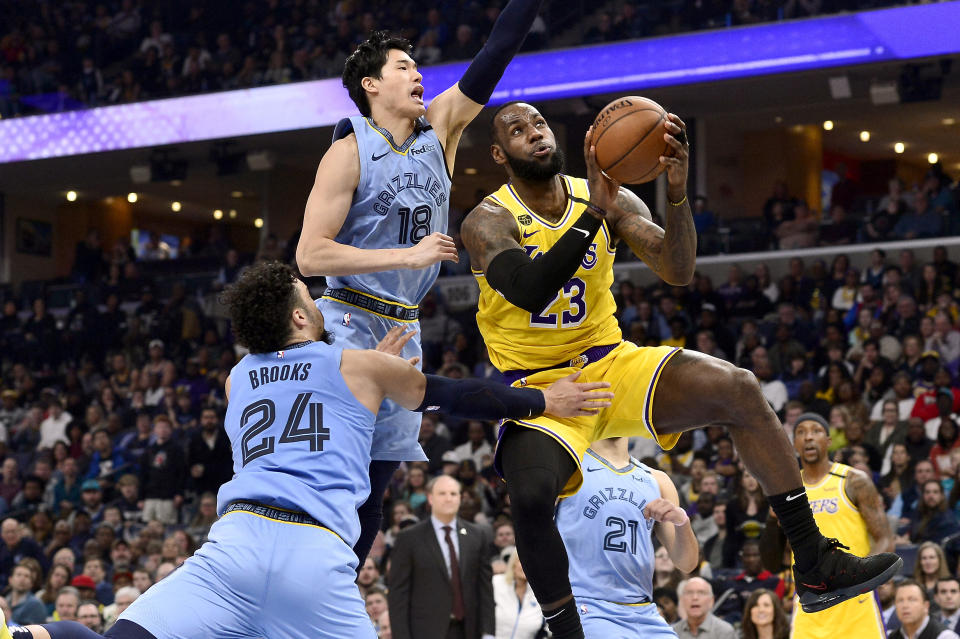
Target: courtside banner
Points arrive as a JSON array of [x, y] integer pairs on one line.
[[860, 38]]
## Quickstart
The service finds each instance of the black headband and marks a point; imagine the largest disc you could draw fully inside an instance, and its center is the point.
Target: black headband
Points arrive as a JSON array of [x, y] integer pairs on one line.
[[813, 417]]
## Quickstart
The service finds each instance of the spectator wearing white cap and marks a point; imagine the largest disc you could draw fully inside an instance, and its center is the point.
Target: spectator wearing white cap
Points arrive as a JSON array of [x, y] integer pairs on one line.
[[157, 365]]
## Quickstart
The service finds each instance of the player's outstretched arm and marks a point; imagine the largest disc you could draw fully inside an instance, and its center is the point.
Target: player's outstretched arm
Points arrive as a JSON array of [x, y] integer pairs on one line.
[[451, 111], [318, 252], [372, 376], [671, 253], [861, 491], [673, 527]]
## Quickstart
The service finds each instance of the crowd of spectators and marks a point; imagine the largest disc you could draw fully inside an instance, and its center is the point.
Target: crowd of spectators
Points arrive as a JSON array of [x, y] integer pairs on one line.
[[113, 445], [58, 56], [852, 215]]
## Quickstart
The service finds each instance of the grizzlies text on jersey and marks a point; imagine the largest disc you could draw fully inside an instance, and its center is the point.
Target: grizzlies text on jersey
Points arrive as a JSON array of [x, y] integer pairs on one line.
[[610, 547], [402, 197], [606, 535]]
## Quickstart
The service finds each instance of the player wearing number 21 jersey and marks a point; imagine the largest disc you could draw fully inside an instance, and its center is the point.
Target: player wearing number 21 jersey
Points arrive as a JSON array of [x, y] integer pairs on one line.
[[608, 528]]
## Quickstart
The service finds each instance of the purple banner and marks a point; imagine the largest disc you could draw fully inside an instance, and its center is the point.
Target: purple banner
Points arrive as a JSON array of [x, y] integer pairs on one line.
[[860, 38]]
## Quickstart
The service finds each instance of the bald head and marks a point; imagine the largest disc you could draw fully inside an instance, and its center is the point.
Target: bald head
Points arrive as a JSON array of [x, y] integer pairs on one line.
[[697, 599], [10, 532], [444, 497]]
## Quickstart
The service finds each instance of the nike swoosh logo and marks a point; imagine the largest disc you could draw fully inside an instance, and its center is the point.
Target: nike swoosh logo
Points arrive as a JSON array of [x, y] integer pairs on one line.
[[376, 157], [593, 470], [797, 496], [821, 587], [860, 601], [526, 235], [584, 231]]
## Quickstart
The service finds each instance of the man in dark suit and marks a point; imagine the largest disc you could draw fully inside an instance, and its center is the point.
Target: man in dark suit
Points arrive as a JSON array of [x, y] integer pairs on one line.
[[947, 597], [440, 577]]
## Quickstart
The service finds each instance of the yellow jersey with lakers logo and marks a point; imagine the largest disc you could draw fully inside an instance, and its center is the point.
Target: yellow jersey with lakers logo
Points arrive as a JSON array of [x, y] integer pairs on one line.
[[579, 317], [836, 516], [576, 331]]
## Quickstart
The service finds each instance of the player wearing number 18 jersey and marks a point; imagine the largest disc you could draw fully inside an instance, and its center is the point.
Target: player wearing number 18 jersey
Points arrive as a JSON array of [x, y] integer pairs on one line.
[[376, 219]]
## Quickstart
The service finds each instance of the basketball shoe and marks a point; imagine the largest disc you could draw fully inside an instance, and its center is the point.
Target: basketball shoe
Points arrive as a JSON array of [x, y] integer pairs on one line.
[[839, 576]]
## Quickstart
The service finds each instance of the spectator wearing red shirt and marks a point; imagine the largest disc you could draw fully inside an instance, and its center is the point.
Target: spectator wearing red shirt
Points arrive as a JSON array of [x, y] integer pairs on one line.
[[926, 405]]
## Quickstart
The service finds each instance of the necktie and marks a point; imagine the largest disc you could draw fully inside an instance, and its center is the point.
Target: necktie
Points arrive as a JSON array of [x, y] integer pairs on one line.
[[455, 585]]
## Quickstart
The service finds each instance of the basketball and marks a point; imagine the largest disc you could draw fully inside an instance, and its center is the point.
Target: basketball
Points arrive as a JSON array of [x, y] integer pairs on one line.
[[628, 134]]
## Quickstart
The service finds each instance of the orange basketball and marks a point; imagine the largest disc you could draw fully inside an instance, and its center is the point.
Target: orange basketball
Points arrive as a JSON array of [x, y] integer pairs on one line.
[[628, 134]]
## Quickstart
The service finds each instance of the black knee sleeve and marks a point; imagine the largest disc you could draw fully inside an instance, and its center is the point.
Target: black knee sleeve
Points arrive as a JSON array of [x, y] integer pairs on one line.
[[536, 468], [371, 512]]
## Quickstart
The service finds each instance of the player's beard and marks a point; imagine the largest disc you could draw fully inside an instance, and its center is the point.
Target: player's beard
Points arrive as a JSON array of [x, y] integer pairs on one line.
[[537, 171]]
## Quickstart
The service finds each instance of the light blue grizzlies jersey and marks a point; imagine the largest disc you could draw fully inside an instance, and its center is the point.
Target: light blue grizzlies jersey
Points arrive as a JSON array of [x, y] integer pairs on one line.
[[402, 197], [301, 440], [607, 537]]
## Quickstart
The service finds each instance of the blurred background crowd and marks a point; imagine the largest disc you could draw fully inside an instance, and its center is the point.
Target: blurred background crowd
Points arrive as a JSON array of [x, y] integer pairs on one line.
[[57, 56], [112, 380]]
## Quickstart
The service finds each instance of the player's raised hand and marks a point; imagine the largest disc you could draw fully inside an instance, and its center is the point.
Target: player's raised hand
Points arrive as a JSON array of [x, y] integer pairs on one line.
[[665, 511], [434, 248], [568, 398], [678, 162], [603, 190]]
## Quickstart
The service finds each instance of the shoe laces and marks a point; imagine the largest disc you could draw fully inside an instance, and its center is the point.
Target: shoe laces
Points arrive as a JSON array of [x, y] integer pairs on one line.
[[834, 544]]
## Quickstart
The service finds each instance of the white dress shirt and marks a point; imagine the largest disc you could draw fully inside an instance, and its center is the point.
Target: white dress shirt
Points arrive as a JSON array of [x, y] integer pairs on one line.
[[442, 540]]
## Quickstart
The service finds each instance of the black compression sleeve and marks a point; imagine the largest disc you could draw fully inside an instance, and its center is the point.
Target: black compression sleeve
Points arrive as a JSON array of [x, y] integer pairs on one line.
[[511, 27], [531, 284], [480, 399]]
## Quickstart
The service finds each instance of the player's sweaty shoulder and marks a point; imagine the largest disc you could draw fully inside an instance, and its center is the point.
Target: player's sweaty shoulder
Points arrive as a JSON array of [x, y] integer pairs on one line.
[[488, 230]]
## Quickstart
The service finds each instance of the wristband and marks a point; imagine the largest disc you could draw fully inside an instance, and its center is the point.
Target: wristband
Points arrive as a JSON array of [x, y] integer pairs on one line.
[[590, 205], [680, 203]]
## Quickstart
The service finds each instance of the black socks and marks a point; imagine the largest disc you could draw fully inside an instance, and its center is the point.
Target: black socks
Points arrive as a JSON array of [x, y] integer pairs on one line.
[[564, 621], [796, 519]]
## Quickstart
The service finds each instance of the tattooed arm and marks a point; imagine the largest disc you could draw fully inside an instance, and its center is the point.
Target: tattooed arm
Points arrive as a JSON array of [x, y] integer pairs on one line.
[[491, 235], [486, 232], [861, 491], [671, 253]]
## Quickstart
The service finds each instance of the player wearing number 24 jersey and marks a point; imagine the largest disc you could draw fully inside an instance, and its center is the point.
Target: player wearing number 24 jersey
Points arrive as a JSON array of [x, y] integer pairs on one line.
[[279, 561]]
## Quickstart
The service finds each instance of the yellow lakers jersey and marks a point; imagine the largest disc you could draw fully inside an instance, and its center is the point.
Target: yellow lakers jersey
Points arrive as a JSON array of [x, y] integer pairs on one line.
[[579, 317], [836, 516]]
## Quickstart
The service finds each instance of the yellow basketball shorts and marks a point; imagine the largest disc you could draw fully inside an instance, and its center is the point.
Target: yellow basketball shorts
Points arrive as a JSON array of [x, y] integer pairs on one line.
[[633, 373]]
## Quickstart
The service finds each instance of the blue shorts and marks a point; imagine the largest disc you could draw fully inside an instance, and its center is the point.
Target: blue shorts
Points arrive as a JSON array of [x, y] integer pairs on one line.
[[608, 620], [258, 577], [397, 431]]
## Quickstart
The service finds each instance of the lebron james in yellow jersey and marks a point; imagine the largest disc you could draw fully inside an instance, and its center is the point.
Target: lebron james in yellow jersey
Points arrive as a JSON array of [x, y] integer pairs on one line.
[[542, 248], [846, 506]]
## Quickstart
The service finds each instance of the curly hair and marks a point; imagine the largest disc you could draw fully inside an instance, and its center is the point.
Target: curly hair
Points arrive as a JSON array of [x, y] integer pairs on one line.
[[367, 62], [260, 303]]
